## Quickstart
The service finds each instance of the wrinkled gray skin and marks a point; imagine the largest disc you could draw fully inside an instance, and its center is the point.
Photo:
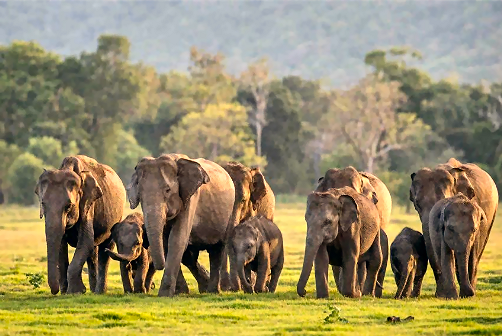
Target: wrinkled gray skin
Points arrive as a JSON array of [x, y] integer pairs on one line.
[[343, 229], [374, 189], [132, 252], [408, 259], [428, 186], [253, 196], [81, 202], [459, 230], [256, 245], [187, 205]]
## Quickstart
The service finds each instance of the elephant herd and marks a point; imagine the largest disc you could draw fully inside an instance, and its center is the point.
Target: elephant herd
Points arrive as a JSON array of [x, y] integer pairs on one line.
[[192, 205]]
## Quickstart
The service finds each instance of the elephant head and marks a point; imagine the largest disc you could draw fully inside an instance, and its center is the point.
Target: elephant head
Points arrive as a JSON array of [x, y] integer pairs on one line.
[[164, 187], [130, 237], [429, 186], [347, 177], [65, 197], [250, 189], [245, 243], [328, 214], [460, 220]]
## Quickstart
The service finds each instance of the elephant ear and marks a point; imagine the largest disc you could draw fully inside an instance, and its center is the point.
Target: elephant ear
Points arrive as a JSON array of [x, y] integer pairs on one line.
[[191, 176], [443, 216], [350, 212], [40, 190], [412, 190], [72, 163], [259, 189], [462, 183], [132, 190], [91, 191]]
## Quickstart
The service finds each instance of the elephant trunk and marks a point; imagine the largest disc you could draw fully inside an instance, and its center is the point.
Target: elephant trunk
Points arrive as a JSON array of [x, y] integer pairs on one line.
[[405, 279], [248, 288], [462, 260], [311, 247], [155, 220], [54, 230], [123, 257]]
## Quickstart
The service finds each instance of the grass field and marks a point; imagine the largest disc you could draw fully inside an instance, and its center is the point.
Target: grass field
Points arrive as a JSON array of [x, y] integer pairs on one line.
[[28, 310]]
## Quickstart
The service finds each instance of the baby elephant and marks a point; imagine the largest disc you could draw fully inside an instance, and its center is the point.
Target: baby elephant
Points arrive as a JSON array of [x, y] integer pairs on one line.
[[135, 261], [256, 245], [408, 258]]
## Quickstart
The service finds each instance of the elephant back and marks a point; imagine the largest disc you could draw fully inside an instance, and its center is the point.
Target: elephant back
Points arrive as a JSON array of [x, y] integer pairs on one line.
[[384, 204]]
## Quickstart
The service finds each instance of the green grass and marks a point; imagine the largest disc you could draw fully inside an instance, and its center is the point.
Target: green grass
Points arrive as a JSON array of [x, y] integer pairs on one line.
[[26, 310]]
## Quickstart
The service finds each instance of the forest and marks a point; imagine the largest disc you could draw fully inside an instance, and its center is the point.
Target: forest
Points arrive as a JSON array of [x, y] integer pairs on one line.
[[392, 121]]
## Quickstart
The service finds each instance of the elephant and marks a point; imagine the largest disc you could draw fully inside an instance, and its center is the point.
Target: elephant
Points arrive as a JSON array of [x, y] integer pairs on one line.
[[408, 260], [253, 196], [135, 261], [459, 229], [256, 245], [343, 229], [80, 201], [374, 189], [428, 186], [187, 204]]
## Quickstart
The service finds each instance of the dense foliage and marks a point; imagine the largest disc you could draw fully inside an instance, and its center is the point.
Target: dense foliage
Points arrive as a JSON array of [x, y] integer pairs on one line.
[[312, 39], [393, 121]]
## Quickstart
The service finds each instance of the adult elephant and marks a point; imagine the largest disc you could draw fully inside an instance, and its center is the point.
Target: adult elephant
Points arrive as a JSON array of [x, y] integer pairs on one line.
[[253, 196], [428, 186], [343, 229], [373, 188], [188, 203], [81, 201]]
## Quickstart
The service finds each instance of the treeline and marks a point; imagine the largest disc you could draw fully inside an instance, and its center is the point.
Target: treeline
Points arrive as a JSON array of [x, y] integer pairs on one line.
[[395, 120]]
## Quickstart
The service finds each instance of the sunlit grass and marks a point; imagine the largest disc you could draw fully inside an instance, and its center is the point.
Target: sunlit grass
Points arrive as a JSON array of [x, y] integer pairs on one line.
[[25, 310]]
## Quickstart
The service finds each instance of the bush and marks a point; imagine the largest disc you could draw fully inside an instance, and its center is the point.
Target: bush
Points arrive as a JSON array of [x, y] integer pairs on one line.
[[23, 175]]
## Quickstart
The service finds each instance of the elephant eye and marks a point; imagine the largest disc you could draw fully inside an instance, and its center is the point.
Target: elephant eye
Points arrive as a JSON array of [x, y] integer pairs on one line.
[[67, 208]]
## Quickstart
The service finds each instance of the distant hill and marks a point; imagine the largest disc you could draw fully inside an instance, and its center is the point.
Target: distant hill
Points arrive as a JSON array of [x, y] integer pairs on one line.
[[313, 39]]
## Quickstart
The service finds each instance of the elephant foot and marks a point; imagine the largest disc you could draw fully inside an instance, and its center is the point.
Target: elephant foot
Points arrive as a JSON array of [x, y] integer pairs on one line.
[[353, 295], [77, 288], [261, 290], [466, 292], [322, 296], [225, 282], [247, 289], [166, 293], [448, 295]]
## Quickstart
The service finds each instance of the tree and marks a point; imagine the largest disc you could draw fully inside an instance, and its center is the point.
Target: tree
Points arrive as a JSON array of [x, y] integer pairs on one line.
[[257, 80], [22, 176], [220, 133], [127, 154], [365, 117]]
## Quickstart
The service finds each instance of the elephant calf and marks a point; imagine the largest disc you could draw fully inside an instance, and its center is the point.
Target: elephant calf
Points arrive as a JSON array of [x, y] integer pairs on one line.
[[132, 245], [256, 245], [408, 258], [459, 230]]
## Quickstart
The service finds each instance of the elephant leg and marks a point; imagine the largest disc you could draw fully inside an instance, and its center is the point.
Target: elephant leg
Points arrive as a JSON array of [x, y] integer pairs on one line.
[[125, 273], [181, 284], [63, 267], [384, 242], [321, 264], [275, 273], [85, 247], [224, 274], [362, 273], [149, 278], [448, 277], [417, 286], [92, 268], [337, 270], [409, 284], [176, 246], [250, 275], [374, 263], [216, 254], [103, 263], [201, 275], [140, 276], [350, 260], [473, 269]]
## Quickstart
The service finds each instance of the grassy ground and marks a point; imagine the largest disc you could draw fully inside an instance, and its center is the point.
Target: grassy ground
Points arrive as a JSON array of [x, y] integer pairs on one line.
[[26, 310]]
